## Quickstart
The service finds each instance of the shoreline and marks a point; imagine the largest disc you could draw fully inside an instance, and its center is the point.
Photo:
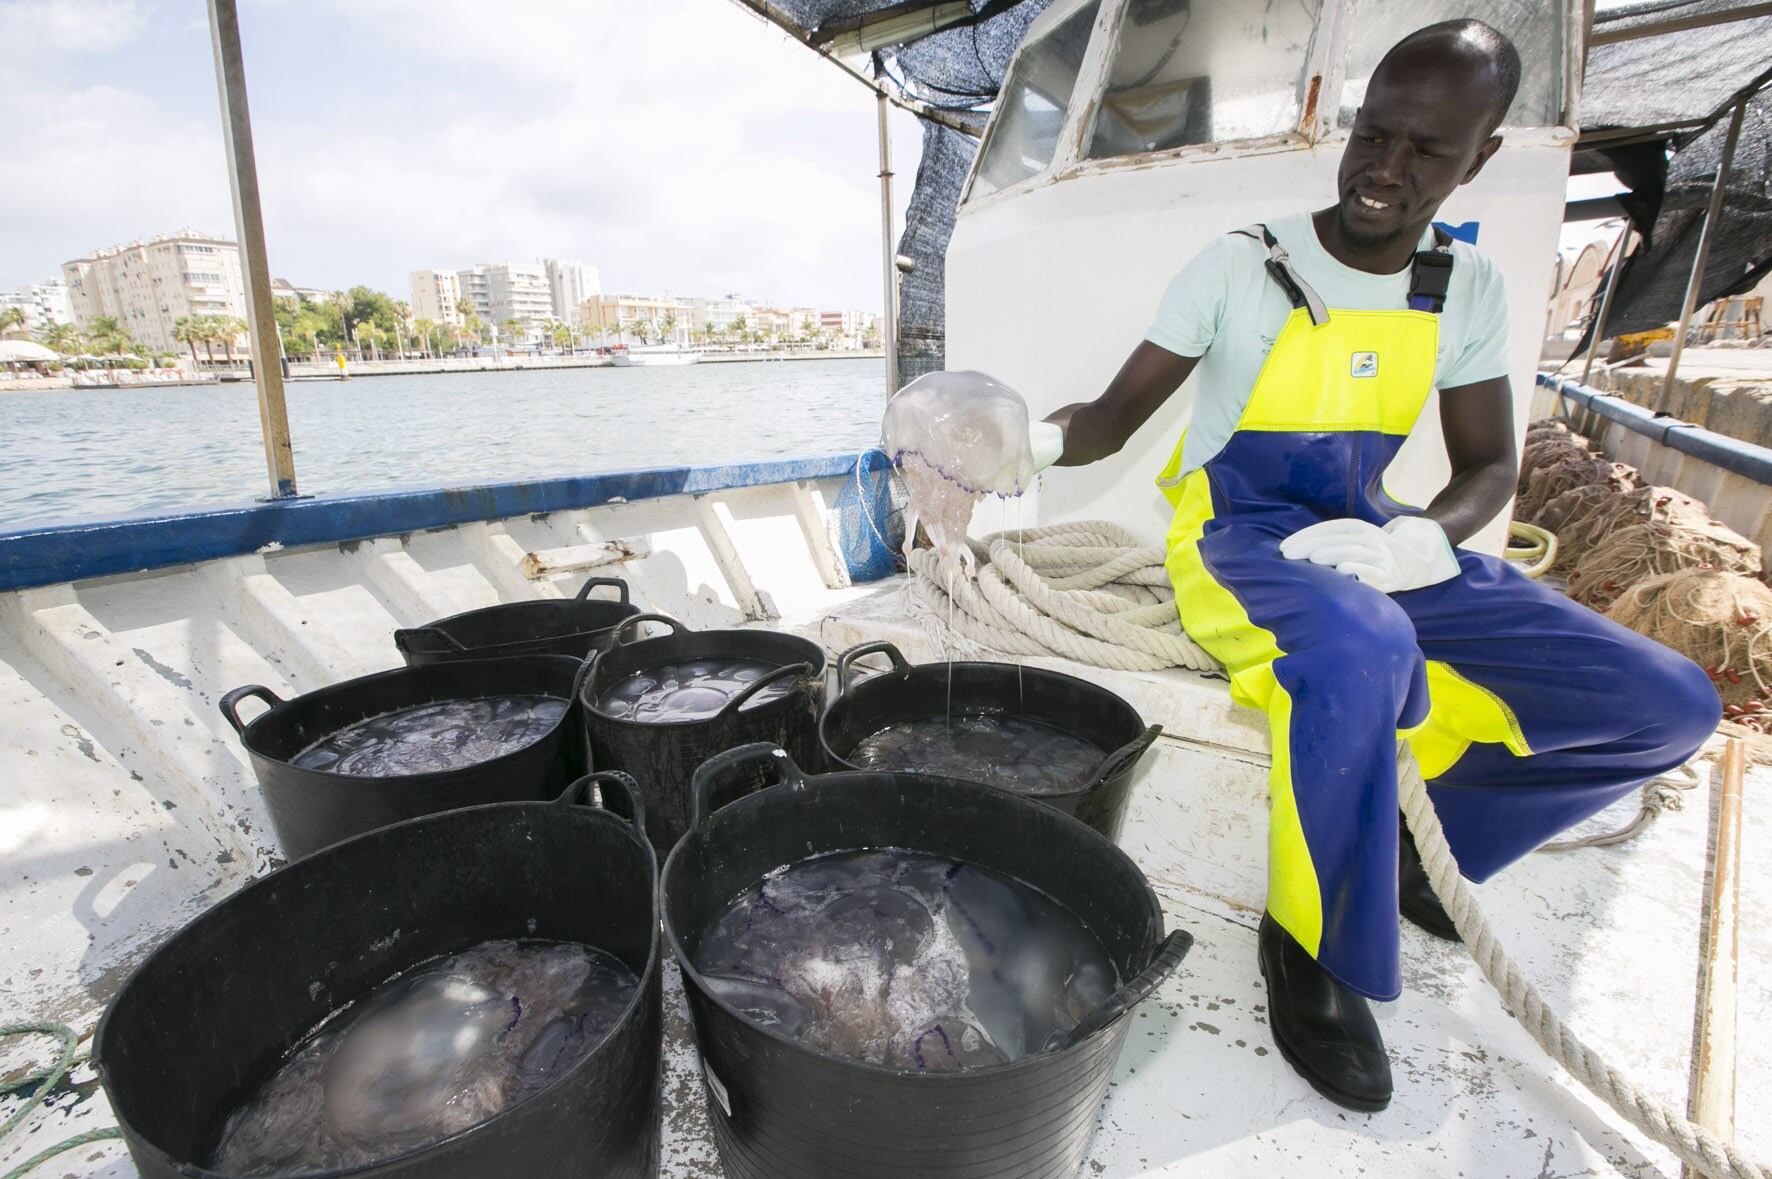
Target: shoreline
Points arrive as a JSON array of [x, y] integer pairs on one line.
[[325, 371], [306, 371]]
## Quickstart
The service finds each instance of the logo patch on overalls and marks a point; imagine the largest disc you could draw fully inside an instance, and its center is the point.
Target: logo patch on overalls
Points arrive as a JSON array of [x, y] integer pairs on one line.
[[1365, 364]]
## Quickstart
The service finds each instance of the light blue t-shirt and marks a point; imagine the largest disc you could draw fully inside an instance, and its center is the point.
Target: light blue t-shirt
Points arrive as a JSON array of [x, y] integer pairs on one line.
[[1225, 308]]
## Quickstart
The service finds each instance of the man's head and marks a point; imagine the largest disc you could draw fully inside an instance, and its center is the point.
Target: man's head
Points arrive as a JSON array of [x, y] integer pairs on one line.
[[1427, 125]]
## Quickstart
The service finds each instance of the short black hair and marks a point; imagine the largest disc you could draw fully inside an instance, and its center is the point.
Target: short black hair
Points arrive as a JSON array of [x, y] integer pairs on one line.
[[1475, 42]]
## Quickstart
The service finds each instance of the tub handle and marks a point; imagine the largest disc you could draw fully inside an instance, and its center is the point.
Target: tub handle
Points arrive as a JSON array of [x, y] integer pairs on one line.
[[758, 684], [1127, 755], [619, 637], [584, 591], [701, 783], [878, 647], [578, 679], [230, 704], [425, 638], [579, 794], [1170, 951]]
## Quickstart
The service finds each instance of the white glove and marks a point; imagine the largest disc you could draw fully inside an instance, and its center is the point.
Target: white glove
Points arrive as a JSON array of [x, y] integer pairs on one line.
[[1410, 552], [1045, 443]]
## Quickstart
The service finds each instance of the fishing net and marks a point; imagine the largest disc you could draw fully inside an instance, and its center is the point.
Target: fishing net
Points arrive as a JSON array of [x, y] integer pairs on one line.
[[1720, 620], [867, 519], [1544, 444], [1582, 517], [1567, 469], [1638, 552]]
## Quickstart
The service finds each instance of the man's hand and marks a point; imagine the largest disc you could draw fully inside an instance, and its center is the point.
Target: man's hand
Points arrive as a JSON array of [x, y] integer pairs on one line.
[[1410, 552], [1093, 430]]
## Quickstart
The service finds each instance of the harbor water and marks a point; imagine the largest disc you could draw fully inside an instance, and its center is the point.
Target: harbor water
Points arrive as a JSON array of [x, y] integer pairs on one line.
[[74, 454]]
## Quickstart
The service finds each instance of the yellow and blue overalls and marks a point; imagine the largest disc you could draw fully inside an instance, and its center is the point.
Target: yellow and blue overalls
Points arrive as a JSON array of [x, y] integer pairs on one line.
[[1527, 711]]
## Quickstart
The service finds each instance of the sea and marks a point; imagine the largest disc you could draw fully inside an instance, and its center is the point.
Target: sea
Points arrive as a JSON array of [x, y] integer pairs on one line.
[[71, 455]]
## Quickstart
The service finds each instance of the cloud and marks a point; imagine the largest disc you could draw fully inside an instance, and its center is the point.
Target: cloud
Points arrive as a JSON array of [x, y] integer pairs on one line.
[[675, 144], [67, 26]]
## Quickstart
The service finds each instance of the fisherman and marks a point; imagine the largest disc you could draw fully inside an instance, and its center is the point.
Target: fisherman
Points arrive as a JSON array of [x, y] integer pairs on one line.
[[1348, 616]]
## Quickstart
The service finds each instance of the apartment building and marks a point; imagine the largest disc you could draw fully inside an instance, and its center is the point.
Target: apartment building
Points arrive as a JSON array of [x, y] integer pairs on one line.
[[519, 291], [723, 314], [43, 304], [615, 316], [436, 296], [570, 284], [148, 285]]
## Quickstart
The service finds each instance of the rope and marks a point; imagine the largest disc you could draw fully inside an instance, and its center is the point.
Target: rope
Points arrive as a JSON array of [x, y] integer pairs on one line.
[[1537, 553], [1693, 1144], [1085, 591], [1089, 592], [45, 1080], [1658, 796]]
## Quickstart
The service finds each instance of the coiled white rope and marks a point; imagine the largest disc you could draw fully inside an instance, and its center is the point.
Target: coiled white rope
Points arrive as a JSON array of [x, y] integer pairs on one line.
[[1089, 592]]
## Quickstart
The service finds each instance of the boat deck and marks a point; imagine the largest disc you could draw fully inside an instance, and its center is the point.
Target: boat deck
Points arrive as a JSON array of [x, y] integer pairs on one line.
[[130, 807]]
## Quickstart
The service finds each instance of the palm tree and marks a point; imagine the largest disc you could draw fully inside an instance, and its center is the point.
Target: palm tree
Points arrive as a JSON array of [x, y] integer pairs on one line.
[[10, 318], [367, 336], [231, 327], [473, 328], [402, 324], [512, 329], [667, 327], [560, 334], [63, 337], [422, 329], [186, 331], [342, 301], [106, 335], [210, 327]]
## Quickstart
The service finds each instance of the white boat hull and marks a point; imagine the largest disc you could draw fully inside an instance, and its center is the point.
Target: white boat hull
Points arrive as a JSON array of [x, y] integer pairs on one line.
[[130, 808]]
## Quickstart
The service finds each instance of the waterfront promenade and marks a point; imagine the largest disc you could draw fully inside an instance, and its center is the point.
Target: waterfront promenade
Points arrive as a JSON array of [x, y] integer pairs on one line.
[[327, 370]]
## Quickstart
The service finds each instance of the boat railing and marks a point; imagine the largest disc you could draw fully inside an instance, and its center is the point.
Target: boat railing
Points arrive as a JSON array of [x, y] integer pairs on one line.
[[59, 553]]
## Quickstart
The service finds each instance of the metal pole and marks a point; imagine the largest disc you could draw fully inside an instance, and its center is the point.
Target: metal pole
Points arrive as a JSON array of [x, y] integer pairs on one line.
[[249, 225], [1705, 233], [1599, 332], [888, 251]]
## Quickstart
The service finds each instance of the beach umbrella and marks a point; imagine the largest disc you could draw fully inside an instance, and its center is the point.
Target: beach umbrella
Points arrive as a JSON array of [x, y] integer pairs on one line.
[[25, 352]]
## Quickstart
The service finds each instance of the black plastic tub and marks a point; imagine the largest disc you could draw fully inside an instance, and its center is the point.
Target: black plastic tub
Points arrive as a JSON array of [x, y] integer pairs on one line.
[[312, 808], [662, 756], [217, 1006], [579, 626], [784, 1110], [863, 707]]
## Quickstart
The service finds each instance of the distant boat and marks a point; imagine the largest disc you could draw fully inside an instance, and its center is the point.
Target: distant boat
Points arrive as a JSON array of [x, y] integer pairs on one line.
[[656, 354]]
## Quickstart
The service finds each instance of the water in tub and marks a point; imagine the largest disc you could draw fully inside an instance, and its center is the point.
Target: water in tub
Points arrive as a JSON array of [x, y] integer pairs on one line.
[[430, 738], [907, 960], [434, 1051]]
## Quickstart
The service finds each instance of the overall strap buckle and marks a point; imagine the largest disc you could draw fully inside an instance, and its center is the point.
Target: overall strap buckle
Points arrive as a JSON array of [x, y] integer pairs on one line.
[[1279, 264], [1430, 275]]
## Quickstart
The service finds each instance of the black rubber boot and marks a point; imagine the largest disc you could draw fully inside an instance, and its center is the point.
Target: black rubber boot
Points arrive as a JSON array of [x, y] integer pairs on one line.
[[1415, 896], [1325, 1031]]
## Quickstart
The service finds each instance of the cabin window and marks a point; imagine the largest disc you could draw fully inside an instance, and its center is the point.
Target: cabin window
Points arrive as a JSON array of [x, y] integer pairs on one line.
[[1202, 71], [1535, 27], [1030, 109]]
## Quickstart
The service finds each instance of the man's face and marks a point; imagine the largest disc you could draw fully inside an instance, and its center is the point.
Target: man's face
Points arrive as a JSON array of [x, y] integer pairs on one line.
[[1419, 134]]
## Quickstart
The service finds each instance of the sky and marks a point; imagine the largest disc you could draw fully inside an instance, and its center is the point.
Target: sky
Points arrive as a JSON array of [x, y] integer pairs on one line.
[[677, 145]]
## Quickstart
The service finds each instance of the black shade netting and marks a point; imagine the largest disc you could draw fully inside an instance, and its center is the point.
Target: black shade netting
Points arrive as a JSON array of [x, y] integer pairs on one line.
[[1652, 286]]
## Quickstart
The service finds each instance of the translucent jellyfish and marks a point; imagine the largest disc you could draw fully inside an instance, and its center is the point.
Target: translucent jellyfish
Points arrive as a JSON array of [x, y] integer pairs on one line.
[[957, 437]]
